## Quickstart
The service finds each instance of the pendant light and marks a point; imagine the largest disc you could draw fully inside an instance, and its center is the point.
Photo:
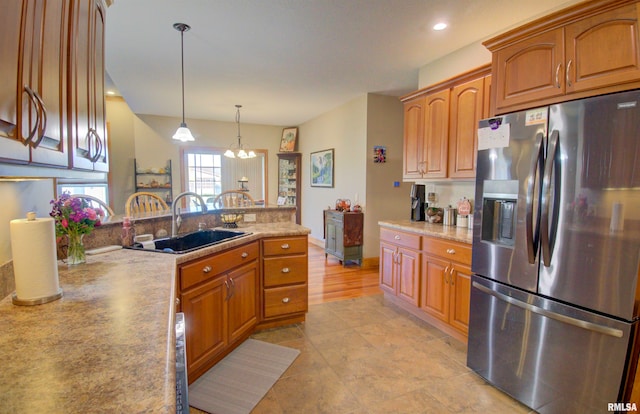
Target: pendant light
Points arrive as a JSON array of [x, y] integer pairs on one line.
[[182, 134], [241, 153]]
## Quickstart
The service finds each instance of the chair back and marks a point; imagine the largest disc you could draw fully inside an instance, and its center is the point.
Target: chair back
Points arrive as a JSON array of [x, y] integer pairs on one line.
[[95, 203], [144, 202], [233, 198]]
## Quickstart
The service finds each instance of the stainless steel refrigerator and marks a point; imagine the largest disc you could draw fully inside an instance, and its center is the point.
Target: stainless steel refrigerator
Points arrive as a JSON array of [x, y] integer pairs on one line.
[[556, 253]]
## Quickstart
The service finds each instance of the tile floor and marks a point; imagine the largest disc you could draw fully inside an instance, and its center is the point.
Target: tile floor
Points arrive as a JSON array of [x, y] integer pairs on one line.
[[364, 356]]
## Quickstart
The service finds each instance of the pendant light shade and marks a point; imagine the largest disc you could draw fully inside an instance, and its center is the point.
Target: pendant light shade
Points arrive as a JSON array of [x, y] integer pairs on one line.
[[239, 152], [182, 134]]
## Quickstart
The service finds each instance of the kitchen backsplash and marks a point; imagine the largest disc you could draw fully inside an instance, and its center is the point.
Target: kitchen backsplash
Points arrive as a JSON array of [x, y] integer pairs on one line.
[[449, 193]]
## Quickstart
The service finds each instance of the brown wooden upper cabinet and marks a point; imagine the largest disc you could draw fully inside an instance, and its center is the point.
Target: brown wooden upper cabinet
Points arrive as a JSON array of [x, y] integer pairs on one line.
[[440, 124], [32, 94], [52, 110], [585, 50]]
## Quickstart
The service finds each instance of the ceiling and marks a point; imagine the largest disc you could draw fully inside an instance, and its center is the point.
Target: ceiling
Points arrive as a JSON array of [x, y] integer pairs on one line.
[[288, 61]]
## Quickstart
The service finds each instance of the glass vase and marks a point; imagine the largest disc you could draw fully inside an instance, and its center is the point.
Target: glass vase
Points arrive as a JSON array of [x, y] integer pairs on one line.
[[75, 249]]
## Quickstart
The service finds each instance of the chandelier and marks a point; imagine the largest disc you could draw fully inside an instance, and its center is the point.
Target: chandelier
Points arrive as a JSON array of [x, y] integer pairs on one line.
[[182, 134], [239, 151]]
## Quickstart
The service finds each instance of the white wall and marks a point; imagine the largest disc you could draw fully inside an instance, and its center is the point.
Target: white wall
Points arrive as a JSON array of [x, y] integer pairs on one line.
[[121, 152], [147, 138], [460, 61], [352, 130], [19, 198], [344, 130]]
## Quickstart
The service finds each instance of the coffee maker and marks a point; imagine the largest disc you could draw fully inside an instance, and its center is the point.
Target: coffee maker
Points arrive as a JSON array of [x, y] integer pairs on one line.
[[417, 202]]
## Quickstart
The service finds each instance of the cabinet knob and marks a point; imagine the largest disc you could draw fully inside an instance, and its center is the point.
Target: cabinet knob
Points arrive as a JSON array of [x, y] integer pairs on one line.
[[397, 237], [285, 270], [285, 246], [206, 269], [285, 300], [244, 255], [177, 301], [451, 251]]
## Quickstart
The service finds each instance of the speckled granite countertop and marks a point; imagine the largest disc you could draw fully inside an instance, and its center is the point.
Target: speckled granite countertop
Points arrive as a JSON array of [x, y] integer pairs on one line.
[[108, 344], [459, 234]]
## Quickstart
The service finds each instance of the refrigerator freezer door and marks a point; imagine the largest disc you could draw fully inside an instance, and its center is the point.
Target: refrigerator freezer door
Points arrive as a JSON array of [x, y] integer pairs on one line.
[[507, 198], [593, 252], [552, 357]]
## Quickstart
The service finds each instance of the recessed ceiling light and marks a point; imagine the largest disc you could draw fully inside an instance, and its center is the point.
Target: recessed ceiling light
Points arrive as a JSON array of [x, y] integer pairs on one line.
[[440, 26]]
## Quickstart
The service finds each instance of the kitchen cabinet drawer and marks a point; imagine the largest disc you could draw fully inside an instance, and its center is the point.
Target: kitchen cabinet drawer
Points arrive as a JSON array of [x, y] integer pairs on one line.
[[448, 250], [285, 271], [285, 300], [284, 246], [203, 269], [400, 238]]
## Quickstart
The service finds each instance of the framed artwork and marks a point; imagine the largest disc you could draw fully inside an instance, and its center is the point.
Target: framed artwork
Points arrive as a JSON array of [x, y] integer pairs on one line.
[[322, 167], [379, 154], [289, 138]]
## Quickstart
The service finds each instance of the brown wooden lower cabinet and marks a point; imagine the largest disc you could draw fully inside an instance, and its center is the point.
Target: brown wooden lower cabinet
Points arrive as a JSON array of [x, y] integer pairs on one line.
[[226, 296], [219, 298], [285, 276], [429, 277]]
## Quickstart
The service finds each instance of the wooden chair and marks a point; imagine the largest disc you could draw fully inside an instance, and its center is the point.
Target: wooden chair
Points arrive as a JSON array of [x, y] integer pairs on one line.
[[233, 198], [144, 202], [95, 203]]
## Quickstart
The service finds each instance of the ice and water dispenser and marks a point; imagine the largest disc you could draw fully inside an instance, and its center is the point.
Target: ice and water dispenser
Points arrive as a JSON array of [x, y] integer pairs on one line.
[[499, 202]]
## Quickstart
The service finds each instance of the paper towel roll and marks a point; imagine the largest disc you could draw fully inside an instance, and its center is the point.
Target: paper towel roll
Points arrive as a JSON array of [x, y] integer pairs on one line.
[[33, 247], [617, 217]]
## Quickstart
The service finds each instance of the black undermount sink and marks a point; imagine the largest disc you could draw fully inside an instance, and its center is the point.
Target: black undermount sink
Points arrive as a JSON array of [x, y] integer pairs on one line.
[[190, 241]]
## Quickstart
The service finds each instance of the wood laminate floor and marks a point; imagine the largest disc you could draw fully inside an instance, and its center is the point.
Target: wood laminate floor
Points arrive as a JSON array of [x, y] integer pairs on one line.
[[361, 355]]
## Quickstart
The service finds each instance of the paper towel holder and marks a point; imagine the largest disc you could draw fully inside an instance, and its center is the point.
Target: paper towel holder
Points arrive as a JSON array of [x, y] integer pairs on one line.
[[36, 301], [31, 216]]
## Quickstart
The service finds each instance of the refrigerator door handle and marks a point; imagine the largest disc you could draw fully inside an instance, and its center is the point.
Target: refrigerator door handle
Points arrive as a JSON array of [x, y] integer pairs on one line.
[[545, 229], [617, 333], [536, 168]]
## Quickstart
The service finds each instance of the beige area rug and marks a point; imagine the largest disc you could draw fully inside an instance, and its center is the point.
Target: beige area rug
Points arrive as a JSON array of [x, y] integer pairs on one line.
[[236, 384]]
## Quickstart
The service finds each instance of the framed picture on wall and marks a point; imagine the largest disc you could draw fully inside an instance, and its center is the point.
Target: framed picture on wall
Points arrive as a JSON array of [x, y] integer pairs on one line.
[[322, 167], [289, 138]]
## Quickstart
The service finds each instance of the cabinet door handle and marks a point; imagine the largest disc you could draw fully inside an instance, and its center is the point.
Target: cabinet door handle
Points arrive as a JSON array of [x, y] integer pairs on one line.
[[451, 251], [284, 246], [446, 275], [41, 123], [285, 270], [93, 133], [567, 76], [244, 255], [177, 301], [451, 278], [397, 237], [32, 133], [558, 75], [206, 269], [285, 300], [233, 286]]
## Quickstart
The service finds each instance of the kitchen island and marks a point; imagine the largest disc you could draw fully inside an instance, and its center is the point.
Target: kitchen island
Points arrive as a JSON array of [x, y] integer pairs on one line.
[[109, 344]]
